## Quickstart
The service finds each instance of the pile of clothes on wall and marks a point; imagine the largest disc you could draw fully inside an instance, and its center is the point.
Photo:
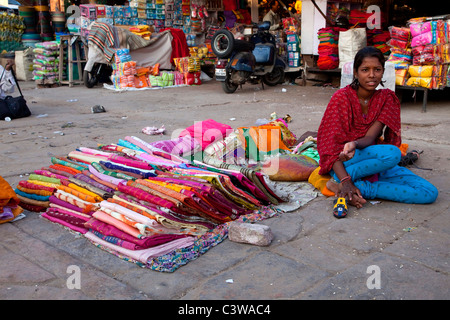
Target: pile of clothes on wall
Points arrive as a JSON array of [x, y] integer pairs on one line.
[[155, 204], [328, 48], [421, 53]]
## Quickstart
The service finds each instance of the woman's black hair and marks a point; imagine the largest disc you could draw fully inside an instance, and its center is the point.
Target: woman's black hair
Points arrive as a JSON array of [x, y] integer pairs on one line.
[[366, 52]]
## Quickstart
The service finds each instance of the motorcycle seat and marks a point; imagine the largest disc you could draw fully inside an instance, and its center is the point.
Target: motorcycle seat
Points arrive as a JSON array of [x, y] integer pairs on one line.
[[242, 45]]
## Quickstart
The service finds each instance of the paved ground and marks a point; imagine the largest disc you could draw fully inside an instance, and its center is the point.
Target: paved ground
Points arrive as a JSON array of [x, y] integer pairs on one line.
[[384, 251]]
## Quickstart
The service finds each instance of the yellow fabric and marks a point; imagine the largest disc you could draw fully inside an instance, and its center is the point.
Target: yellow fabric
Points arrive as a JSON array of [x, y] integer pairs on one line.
[[320, 182], [420, 71], [7, 195]]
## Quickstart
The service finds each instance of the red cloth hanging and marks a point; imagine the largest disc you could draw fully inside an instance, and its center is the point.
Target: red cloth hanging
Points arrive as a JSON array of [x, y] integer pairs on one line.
[[179, 44]]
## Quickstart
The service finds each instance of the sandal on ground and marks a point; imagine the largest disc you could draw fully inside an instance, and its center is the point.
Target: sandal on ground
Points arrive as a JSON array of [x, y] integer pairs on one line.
[[410, 158]]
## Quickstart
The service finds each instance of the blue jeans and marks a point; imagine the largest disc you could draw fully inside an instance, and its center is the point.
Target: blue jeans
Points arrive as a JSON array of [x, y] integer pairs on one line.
[[394, 183]]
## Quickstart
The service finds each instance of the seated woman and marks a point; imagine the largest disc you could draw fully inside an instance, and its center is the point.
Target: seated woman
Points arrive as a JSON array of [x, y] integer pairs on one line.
[[358, 140], [7, 82]]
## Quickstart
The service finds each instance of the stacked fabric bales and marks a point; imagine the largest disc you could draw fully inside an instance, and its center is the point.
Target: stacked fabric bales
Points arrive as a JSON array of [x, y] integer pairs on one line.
[[145, 204], [401, 54], [379, 39], [46, 62], [328, 48], [421, 53], [430, 46], [34, 193]]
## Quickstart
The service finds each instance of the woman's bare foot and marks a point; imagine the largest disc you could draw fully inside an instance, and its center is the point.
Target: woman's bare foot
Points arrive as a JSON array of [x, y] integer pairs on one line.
[[333, 186], [357, 201]]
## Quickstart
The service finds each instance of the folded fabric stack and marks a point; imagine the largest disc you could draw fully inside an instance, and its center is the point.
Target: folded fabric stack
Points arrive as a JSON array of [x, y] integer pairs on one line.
[[430, 45], [46, 62], [35, 193], [328, 48], [9, 202], [358, 18], [400, 53], [146, 204], [379, 39]]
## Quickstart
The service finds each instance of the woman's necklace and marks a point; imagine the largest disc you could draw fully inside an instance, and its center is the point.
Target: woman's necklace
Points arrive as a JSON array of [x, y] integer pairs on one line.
[[364, 105]]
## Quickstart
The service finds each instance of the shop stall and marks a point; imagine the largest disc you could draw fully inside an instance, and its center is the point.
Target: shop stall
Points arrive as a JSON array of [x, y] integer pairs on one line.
[[192, 22], [416, 44]]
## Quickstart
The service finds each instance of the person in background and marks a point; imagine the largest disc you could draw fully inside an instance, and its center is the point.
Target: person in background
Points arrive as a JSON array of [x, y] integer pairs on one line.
[[272, 16], [359, 138], [7, 83]]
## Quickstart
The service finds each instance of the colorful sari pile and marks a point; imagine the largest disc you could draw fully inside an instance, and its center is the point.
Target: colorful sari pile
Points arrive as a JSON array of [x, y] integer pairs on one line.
[[145, 204], [328, 48]]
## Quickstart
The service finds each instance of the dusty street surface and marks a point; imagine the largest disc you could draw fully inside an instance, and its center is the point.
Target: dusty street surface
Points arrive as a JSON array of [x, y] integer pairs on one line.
[[313, 255]]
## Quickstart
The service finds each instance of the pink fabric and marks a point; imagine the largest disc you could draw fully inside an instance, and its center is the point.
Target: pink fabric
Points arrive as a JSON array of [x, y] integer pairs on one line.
[[207, 131], [422, 39], [49, 174], [145, 254], [419, 28], [152, 150], [179, 146], [129, 162], [53, 219], [102, 216], [137, 244]]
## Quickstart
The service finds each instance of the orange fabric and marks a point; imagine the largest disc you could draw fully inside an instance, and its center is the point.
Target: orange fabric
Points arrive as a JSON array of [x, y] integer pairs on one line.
[[35, 191], [404, 148], [77, 193], [262, 137], [131, 207], [7, 195]]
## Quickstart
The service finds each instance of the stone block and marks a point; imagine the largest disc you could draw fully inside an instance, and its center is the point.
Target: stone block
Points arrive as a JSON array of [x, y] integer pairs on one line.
[[256, 234]]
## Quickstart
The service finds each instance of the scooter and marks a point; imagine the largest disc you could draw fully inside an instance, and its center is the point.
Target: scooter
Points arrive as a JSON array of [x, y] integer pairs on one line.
[[241, 61]]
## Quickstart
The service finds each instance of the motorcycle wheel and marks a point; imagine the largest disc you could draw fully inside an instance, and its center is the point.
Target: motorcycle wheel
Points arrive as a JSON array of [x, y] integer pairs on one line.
[[228, 87], [222, 43], [275, 77], [90, 80]]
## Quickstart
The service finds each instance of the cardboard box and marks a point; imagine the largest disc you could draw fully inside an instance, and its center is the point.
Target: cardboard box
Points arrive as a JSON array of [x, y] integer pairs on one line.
[[292, 38], [293, 47], [88, 11], [293, 55], [101, 11], [294, 63]]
